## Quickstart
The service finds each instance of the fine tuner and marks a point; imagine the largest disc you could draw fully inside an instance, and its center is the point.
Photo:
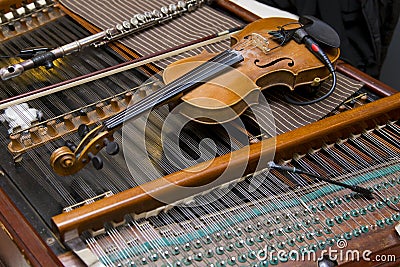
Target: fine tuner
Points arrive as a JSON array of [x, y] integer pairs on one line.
[[266, 53]]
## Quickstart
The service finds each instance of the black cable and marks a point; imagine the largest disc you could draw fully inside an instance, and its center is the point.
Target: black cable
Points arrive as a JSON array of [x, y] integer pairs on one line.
[[304, 103], [316, 50], [355, 188]]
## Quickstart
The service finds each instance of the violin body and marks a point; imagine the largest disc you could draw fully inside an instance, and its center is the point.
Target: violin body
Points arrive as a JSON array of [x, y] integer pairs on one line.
[[290, 65], [212, 88]]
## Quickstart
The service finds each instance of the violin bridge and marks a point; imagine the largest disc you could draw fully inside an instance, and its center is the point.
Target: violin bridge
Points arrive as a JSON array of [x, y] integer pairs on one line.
[[260, 42]]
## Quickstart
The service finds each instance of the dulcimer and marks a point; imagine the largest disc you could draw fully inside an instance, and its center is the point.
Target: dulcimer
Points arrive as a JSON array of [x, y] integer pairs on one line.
[[216, 88]]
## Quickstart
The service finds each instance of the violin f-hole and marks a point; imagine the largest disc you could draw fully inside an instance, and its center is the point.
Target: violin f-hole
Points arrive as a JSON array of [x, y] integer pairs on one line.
[[290, 63]]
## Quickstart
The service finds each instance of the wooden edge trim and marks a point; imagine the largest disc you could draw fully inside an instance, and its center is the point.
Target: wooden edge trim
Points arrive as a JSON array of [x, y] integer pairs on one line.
[[237, 10], [373, 84], [137, 200], [365, 242], [36, 252]]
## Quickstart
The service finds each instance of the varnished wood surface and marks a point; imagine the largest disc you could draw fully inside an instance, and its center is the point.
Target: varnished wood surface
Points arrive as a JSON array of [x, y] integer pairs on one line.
[[381, 242], [6, 4], [373, 84], [237, 10], [24, 236], [137, 201]]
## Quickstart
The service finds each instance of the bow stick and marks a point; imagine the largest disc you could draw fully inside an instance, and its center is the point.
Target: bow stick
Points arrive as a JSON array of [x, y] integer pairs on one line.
[[137, 23], [214, 38]]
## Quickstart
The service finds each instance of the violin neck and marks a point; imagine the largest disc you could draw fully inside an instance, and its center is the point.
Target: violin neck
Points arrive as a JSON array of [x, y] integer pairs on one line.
[[185, 83]]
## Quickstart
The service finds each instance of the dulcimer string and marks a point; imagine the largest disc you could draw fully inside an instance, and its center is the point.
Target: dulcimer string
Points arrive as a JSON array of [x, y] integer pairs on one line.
[[103, 73], [200, 74]]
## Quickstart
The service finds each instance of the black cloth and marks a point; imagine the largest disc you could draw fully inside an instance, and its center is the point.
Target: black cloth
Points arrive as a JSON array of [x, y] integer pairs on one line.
[[365, 27]]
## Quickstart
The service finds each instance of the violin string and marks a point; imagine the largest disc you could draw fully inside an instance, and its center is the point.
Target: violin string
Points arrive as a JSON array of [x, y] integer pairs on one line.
[[198, 74], [213, 220], [144, 104], [173, 83]]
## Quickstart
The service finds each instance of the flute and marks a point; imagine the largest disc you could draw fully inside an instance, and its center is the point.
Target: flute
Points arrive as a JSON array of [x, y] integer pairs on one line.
[[137, 23]]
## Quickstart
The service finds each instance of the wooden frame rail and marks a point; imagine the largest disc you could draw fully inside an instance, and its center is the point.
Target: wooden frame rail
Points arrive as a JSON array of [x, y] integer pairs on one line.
[[38, 253], [138, 200]]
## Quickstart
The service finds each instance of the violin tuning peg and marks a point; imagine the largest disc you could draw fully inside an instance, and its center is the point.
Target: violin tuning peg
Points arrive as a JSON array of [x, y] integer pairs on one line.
[[96, 161], [70, 145], [83, 130], [112, 148]]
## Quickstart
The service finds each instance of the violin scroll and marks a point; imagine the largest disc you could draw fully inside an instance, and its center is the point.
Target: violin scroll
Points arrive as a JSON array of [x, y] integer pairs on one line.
[[70, 159]]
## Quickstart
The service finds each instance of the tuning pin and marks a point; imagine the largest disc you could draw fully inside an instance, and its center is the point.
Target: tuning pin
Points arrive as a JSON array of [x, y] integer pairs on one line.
[[70, 145], [35, 20], [96, 161], [112, 148], [45, 12], [128, 98], [364, 97], [56, 8], [352, 103], [83, 130], [11, 26], [155, 86]]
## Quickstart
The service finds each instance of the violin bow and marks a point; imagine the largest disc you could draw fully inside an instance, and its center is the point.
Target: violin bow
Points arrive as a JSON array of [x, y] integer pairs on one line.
[[213, 38], [137, 23]]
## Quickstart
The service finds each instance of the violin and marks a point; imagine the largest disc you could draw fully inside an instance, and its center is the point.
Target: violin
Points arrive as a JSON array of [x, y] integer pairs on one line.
[[266, 53]]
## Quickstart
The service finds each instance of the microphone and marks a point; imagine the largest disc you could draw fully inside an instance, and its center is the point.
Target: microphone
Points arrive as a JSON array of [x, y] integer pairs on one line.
[[313, 33]]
